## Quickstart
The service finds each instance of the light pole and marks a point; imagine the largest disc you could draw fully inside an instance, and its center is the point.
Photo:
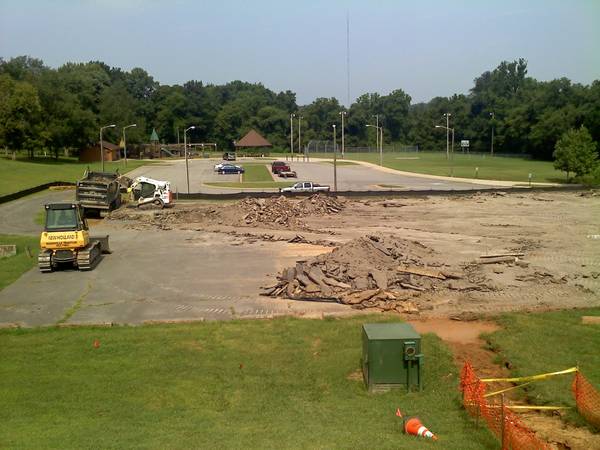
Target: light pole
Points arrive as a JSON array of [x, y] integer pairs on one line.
[[343, 113], [292, 134], [300, 138], [334, 160], [102, 144], [448, 131], [187, 169], [378, 131], [492, 148], [125, 141], [447, 134]]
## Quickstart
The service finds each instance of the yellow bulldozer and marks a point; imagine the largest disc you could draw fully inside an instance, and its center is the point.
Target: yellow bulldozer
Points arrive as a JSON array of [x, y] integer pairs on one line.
[[66, 239]]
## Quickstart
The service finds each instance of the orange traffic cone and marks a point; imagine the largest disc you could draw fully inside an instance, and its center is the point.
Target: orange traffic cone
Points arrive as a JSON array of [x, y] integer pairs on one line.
[[415, 427]]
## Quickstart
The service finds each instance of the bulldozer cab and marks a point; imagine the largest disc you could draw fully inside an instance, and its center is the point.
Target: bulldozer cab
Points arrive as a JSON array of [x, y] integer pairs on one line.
[[64, 217]]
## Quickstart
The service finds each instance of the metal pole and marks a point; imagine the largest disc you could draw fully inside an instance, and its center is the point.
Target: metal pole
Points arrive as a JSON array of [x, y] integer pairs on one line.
[[334, 161], [377, 129], [503, 431], [124, 147], [101, 150], [292, 136], [343, 144], [299, 136], [492, 149], [380, 130], [447, 136], [187, 170]]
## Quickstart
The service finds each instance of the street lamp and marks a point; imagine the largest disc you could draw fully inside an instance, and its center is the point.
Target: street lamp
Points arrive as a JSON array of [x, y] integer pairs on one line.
[[343, 113], [292, 135], [187, 169], [300, 138], [447, 134], [102, 144], [377, 125], [448, 130], [379, 130], [334, 160], [125, 141], [492, 149]]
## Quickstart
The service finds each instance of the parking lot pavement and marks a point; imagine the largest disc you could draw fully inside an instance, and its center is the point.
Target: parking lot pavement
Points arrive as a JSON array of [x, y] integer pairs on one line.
[[355, 177], [18, 216], [160, 275]]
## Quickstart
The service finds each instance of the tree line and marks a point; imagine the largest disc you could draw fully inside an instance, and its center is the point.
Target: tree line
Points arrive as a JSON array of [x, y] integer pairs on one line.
[[54, 109]]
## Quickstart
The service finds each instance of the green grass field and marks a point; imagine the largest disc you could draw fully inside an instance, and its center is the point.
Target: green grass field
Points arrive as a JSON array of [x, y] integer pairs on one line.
[[13, 267], [256, 176], [463, 165], [284, 383], [23, 174], [549, 342]]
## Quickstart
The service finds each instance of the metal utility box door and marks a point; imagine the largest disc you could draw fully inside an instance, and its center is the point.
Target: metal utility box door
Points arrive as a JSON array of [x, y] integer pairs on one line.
[[391, 356]]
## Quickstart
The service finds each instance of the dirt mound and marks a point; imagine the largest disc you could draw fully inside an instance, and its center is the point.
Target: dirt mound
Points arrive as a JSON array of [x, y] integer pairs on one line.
[[284, 212], [375, 271]]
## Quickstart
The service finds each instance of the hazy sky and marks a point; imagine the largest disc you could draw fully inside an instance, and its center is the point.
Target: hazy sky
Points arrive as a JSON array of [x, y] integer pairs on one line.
[[427, 48]]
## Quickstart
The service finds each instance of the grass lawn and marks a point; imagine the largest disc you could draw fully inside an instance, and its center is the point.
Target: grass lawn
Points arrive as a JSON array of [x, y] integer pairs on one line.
[[23, 174], [280, 383], [548, 342], [13, 267], [256, 172], [463, 165]]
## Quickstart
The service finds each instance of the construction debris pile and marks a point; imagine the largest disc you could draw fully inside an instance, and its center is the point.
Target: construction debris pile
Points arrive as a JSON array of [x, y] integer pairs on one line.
[[284, 212], [164, 219], [374, 271]]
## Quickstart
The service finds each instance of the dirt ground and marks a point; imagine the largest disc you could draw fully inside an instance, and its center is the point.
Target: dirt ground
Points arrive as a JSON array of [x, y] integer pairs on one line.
[[556, 235]]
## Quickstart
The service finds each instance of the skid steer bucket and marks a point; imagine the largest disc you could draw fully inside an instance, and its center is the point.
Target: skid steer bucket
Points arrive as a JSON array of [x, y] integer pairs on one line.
[[104, 247]]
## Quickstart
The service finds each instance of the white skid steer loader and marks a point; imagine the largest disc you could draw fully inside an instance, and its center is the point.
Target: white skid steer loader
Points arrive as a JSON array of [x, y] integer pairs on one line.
[[146, 191]]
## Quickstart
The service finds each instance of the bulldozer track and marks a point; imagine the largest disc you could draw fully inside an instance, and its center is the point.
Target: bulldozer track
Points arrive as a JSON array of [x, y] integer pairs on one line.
[[89, 256], [45, 261]]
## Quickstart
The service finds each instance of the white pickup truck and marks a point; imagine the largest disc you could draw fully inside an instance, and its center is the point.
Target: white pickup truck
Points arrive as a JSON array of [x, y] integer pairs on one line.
[[305, 186]]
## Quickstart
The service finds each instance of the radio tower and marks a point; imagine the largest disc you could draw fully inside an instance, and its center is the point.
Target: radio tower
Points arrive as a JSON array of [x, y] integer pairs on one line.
[[348, 55]]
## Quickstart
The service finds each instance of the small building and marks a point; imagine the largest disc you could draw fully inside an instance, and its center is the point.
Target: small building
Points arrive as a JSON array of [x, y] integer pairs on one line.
[[252, 142], [112, 152]]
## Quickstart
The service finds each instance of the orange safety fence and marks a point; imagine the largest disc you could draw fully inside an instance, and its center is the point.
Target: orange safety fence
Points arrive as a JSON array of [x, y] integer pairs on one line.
[[504, 423], [587, 399]]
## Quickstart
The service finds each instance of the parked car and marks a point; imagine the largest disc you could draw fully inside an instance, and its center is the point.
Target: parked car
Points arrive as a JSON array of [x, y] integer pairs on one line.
[[220, 165], [229, 169], [229, 156], [305, 186], [279, 166], [288, 174]]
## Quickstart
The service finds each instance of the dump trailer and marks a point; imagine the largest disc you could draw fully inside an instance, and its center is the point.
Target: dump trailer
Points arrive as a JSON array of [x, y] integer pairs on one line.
[[99, 191], [66, 239]]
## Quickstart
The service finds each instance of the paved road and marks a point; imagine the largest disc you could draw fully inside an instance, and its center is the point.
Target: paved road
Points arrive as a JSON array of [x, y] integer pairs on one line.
[[355, 177], [160, 275], [18, 216]]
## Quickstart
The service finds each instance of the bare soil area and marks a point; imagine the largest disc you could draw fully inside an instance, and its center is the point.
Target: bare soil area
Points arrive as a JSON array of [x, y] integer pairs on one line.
[[427, 256]]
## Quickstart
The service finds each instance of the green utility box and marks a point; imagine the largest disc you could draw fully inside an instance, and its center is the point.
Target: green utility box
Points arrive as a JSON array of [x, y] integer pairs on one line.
[[391, 356]]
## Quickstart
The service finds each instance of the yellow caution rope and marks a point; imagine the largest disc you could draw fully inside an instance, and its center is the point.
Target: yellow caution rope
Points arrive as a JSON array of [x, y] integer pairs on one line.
[[530, 378]]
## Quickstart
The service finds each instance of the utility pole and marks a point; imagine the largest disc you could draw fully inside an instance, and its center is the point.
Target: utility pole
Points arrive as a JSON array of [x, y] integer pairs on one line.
[[377, 129], [343, 113], [102, 143], [334, 160], [125, 141], [447, 135], [492, 148], [300, 139], [187, 169], [381, 147], [292, 135]]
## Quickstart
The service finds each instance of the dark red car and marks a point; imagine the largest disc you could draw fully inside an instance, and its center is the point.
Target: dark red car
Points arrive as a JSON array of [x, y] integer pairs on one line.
[[280, 166]]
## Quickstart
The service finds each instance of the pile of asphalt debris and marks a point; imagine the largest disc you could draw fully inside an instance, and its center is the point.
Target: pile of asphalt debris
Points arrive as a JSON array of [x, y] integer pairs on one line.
[[285, 212], [374, 271]]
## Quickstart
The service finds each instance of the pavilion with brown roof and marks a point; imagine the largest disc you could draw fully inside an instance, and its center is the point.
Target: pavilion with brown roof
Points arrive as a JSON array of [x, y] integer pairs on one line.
[[252, 140]]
